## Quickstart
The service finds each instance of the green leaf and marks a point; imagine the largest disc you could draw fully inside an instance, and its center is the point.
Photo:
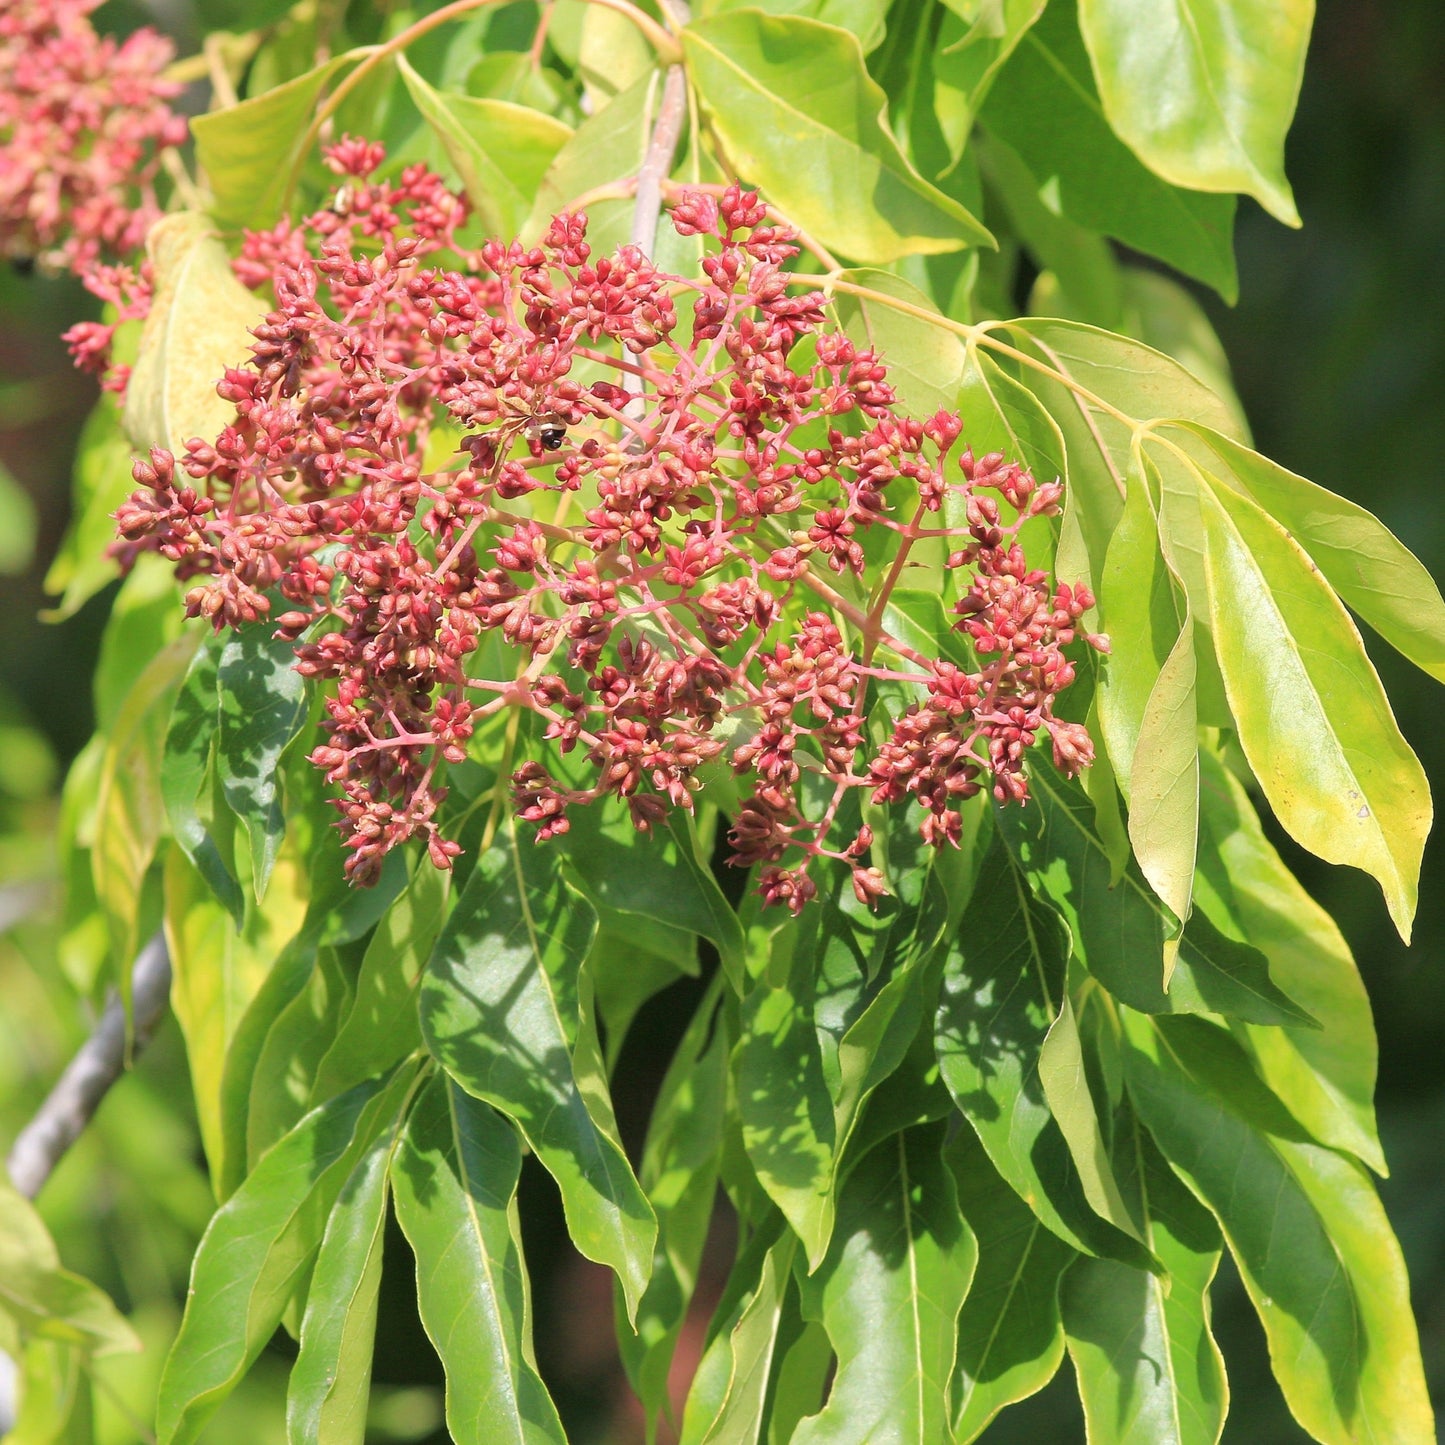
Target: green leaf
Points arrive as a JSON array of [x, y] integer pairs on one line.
[[679, 1172], [456, 1198], [974, 44], [100, 482], [500, 1012], [865, 18], [216, 973], [1045, 106], [258, 1247], [786, 1109], [39, 1298], [129, 812], [1313, 1245], [1203, 91], [501, 150], [17, 525], [1002, 1003], [1313, 718], [925, 362], [729, 1391], [263, 708], [1164, 787], [199, 324], [248, 151], [187, 772], [1372, 570], [1327, 1075], [1010, 1339], [381, 1026], [326, 1397], [1118, 932], [1138, 612], [799, 116], [1149, 1371], [612, 54], [889, 1294]]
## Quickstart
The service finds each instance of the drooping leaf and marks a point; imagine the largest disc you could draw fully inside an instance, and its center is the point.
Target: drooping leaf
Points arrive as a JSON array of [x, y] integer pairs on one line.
[[1203, 91], [501, 150], [1119, 931], [1164, 786], [186, 776], [889, 1295], [1313, 718], [263, 707], [1326, 1075], [1045, 106], [679, 1172], [1316, 1251], [729, 1391], [248, 151], [41, 1299], [1149, 1371], [799, 116], [1371, 569], [499, 1011], [1010, 1339], [974, 44], [258, 1248], [456, 1184], [381, 1025], [1003, 992], [326, 1397], [198, 325], [100, 483]]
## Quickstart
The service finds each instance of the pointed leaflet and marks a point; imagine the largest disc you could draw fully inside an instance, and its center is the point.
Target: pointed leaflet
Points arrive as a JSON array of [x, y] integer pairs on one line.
[[499, 1012], [500, 150], [1327, 1075], [1118, 932], [1376, 575], [1203, 91], [326, 1397], [198, 325], [1314, 1246], [1313, 718], [258, 1247], [455, 1179], [1164, 787], [1045, 106], [381, 1026], [187, 771], [728, 1394], [1149, 1371], [973, 45], [1003, 985], [799, 116], [263, 707], [1010, 1340], [39, 1298], [679, 1172], [248, 150], [889, 1294]]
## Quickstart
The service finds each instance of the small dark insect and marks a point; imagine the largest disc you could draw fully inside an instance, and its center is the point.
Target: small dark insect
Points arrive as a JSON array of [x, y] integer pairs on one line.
[[549, 430]]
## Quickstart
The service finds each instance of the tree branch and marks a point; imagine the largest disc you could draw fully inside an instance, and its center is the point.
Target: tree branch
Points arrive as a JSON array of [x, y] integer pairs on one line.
[[97, 1064]]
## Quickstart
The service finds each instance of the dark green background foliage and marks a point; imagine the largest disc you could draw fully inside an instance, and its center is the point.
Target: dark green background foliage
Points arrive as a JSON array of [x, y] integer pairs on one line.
[[1337, 345]]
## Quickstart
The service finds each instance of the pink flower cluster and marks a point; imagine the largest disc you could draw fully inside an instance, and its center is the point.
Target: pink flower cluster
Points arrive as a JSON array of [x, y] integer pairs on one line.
[[83, 120], [683, 524]]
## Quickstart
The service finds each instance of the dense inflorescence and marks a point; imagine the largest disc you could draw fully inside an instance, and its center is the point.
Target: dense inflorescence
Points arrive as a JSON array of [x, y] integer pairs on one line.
[[683, 522], [83, 120]]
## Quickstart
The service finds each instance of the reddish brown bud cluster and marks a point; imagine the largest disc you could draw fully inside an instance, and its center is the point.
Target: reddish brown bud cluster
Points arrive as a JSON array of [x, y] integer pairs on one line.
[[83, 120], [427, 458]]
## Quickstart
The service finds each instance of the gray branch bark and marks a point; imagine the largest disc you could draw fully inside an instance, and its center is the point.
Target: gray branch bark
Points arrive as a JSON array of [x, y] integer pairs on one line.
[[97, 1064]]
